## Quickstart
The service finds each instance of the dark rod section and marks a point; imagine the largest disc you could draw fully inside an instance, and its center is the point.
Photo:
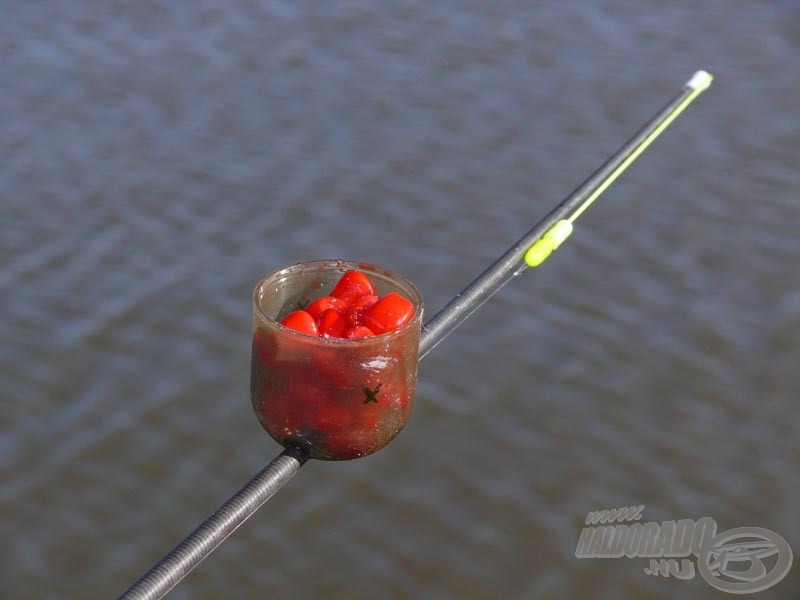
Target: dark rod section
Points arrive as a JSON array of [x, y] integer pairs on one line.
[[162, 577]]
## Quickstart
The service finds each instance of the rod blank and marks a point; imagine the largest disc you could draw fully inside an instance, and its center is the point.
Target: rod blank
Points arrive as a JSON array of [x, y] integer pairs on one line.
[[162, 577], [216, 528], [512, 262]]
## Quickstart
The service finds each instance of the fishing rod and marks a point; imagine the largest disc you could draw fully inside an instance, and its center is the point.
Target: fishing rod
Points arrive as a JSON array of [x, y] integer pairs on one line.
[[549, 233], [530, 251]]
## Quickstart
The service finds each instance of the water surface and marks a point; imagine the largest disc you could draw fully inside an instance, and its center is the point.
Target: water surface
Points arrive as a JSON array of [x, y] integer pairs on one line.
[[158, 159]]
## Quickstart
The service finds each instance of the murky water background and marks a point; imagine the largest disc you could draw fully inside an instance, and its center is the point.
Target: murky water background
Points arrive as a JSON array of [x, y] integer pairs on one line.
[[158, 158]]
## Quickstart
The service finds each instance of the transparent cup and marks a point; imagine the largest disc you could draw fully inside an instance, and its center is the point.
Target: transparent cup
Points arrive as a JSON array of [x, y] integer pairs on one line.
[[335, 398]]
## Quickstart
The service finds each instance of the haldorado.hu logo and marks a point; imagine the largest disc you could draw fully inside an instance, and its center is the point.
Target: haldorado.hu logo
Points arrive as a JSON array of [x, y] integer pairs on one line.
[[740, 561]]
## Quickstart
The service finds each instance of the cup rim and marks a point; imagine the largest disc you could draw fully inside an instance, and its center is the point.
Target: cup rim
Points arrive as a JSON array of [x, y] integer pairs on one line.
[[344, 265]]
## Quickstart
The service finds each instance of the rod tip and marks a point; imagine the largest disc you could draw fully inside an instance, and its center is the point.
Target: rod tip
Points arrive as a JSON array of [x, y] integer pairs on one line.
[[700, 80]]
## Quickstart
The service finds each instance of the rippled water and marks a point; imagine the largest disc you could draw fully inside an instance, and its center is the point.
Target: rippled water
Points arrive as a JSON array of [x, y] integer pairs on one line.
[[159, 158]]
